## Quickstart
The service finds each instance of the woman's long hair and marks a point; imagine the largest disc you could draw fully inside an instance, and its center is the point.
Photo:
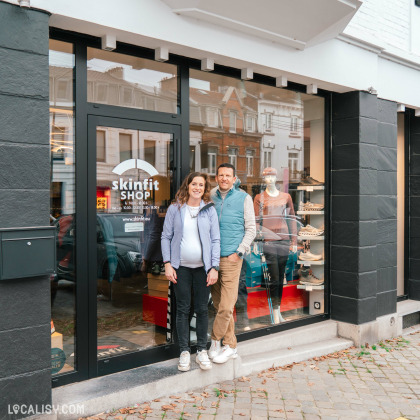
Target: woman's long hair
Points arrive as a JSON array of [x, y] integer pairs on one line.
[[182, 196]]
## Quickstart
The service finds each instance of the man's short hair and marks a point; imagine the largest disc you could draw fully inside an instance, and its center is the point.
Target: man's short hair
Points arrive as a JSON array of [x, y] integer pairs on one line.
[[226, 165]]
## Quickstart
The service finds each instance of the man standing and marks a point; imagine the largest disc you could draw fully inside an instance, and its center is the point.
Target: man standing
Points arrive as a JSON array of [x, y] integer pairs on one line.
[[235, 210]]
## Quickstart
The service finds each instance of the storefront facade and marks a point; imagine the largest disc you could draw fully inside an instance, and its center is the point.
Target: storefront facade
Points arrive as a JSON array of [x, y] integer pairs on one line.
[[107, 133]]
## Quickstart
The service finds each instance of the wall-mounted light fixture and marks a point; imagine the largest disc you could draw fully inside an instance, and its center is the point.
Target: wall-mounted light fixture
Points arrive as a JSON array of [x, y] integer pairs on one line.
[[400, 108], [25, 3], [108, 42], [207, 64], [372, 90], [281, 81], [312, 89], [161, 54], [247, 74]]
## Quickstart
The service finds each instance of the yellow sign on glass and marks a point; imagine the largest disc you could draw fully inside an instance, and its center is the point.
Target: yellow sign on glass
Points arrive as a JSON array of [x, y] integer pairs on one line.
[[101, 203]]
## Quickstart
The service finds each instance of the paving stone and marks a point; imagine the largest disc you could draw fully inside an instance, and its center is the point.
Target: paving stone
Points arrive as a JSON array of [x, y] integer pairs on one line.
[[374, 387], [276, 415]]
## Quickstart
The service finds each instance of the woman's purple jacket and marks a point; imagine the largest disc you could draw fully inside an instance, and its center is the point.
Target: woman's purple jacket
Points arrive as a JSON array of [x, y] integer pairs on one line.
[[208, 229]]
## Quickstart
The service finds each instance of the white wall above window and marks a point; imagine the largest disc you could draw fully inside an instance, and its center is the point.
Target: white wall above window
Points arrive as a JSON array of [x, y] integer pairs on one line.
[[295, 23], [350, 61]]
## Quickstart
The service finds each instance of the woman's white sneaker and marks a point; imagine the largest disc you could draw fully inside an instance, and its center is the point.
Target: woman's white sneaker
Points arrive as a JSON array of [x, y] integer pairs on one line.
[[225, 354], [184, 363], [203, 360], [214, 349]]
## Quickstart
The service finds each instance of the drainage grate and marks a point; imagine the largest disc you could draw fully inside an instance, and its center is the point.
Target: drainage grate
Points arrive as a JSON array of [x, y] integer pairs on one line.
[[411, 319]]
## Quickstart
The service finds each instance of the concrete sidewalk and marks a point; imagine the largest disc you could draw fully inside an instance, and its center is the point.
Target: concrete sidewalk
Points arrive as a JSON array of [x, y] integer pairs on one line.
[[378, 382]]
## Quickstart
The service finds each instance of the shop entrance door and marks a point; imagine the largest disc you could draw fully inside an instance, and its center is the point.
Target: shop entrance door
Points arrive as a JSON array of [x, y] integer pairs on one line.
[[132, 177]]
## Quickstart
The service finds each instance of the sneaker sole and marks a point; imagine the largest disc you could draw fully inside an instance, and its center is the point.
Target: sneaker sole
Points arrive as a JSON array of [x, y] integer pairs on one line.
[[184, 368], [234, 356], [204, 367]]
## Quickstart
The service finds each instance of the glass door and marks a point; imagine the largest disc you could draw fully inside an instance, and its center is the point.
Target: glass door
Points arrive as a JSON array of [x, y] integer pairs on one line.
[[130, 190]]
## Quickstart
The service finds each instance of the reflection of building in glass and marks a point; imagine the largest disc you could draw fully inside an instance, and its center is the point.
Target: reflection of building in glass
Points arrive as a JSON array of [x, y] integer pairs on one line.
[[224, 129], [114, 145], [281, 122], [111, 88], [62, 141], [248, 128], [121, 80]]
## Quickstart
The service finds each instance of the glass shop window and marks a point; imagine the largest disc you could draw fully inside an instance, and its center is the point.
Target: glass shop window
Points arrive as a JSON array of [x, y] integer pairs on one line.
[[280, 164]]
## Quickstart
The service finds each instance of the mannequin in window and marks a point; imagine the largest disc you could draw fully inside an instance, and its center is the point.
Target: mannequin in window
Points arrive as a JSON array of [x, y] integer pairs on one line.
[[276, 224]]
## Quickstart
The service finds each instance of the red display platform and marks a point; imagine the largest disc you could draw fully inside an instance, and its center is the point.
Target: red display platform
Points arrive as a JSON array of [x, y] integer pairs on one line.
[[292, 298], [155, 308]]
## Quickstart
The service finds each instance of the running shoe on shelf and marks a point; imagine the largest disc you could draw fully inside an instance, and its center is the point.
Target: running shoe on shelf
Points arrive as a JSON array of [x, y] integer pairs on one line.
[[308, 206], [308, 256], [309, 230], [310, 181]]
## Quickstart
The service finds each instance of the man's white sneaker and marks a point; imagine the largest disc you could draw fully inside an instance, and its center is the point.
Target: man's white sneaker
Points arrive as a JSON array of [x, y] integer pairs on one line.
[[225, 354], [203, 360], [184, 363], [214, 349]]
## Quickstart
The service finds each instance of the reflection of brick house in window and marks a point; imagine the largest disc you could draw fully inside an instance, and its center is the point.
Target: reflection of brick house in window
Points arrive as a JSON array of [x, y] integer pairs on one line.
[[281, 121], [228, 126], [110, 87]]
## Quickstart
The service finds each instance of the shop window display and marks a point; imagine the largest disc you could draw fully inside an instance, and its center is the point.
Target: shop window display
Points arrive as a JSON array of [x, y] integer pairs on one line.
[[62, 207], [279, 160]]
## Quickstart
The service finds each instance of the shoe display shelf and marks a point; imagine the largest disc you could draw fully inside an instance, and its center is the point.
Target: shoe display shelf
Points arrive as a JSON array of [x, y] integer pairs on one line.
[[316, 297], [314, 194]]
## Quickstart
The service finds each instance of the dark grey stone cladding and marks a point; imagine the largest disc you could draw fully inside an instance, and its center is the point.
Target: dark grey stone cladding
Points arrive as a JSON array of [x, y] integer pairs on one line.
[[25, 355], [364, 207], [414, 207]]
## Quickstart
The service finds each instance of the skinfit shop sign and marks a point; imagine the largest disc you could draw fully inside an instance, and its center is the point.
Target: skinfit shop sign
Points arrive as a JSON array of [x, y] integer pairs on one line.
[[131, 189]]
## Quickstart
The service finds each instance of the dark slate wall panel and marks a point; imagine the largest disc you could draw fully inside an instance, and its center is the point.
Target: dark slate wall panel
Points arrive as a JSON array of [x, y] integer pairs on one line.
[[364, 205], [25, 336], [414, 211]]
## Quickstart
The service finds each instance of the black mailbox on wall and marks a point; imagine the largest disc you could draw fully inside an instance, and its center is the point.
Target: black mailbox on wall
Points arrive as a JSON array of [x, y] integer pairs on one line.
[[27, 252]]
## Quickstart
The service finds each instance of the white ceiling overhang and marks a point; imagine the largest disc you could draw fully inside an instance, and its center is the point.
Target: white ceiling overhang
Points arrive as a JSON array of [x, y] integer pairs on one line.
[[295, 23]]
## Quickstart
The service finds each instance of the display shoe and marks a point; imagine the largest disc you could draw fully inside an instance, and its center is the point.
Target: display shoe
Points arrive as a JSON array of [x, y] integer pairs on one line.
[[225, 354], [277, 316], [184, 363], [308, 256], [308, 206], [156, 268], [203, 360], [214, 348], [310, 181], [307, 278], [309, 230]]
